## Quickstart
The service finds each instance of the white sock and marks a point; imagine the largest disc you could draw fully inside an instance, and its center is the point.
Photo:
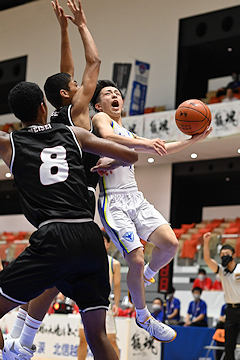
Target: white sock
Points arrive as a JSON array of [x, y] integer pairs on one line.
[[19, 323], [29, 331], [143, 314], [148, 272]]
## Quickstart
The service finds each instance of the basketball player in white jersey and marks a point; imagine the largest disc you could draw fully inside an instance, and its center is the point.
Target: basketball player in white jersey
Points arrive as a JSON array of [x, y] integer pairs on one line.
[[125, 214], [115, 280]]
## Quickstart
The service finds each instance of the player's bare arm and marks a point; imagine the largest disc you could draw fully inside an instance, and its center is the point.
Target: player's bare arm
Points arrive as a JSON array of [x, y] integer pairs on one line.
[[5, 148], [117, 285], [80, 101], [102, 124], [103, 147], [173, 147], [66, 65], [212, 264]]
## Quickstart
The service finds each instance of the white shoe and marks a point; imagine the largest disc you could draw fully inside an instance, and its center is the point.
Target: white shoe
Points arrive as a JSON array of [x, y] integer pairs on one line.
[[148, 281], [158, 330], [13, 350]]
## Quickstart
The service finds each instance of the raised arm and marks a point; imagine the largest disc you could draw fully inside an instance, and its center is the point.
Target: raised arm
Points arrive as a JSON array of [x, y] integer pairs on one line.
[[177, 146], [66, 65], [102, 147], [211, 263], [102, 124], [83, 96]]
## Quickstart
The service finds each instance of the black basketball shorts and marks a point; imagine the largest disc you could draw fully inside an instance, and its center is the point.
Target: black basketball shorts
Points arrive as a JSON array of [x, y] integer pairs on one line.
[[70, 256]]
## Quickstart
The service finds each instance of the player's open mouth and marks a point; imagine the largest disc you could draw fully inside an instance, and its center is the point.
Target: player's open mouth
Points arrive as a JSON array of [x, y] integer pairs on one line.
[[115, 103]]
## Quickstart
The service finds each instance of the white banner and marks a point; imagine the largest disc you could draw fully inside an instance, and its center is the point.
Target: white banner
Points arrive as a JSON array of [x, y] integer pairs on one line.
[[58, 338], [225, 122]]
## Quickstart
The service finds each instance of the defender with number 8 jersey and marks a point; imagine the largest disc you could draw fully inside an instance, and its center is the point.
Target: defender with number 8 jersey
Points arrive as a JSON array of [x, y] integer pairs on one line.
[[50, 162]]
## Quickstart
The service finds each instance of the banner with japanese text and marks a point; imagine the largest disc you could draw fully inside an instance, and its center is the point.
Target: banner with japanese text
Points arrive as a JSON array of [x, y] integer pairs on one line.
[[225, 122], [58, 338]]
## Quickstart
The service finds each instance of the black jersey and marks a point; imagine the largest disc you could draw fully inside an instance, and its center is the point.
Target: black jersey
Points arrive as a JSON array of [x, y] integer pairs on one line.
[[47, 168], [89, 160]]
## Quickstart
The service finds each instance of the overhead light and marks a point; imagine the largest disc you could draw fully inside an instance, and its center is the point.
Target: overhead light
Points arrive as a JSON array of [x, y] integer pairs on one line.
[[151, 160], [194, 156], [8, 175], [229, 49], [227, 179], [238, 151]]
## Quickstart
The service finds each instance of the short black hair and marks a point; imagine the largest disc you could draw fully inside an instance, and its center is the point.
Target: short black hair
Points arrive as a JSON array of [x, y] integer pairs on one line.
[[197, 288], [100, 85], [52, 88], [24, 100], [228, 247], [158, 298], [202, 271], [105, 235]]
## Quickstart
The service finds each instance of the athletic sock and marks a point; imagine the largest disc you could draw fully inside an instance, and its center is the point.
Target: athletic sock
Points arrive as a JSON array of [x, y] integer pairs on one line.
[[19, 323], [29, 331], [148, 272], [143, 314]]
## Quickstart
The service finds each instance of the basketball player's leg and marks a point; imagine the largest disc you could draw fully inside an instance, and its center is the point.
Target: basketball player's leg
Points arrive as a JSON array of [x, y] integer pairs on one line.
[[111, 330], [94, 325], [5, 306], [82, 347], [135, 283], [165, 248], [113, 341]]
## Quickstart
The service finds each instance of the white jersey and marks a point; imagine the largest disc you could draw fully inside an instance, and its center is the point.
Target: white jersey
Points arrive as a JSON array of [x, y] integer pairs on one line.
[[231, 284], [123, 177]]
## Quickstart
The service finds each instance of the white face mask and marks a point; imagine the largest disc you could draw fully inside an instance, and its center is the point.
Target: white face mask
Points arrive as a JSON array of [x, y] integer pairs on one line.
[[196, 296], [156, 307], [201, 277], [169, 296]]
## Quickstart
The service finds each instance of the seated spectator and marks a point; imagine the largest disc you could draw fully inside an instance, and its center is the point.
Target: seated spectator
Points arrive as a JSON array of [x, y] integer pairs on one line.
[[197, 310], [157, 307], [217, 285], [202, 281], [229, 95], [235, 83], [172, 308], [129, 308]]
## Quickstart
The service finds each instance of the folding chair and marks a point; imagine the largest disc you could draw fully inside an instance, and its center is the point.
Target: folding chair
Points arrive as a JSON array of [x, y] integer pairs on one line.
[[219, 336]]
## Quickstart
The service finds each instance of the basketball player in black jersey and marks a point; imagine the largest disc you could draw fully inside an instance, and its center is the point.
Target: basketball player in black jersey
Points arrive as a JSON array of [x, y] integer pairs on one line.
[[45, 160], [71, 102]]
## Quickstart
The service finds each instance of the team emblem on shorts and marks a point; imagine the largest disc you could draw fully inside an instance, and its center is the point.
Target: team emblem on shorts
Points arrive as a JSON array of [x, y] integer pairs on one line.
[[128, 236]]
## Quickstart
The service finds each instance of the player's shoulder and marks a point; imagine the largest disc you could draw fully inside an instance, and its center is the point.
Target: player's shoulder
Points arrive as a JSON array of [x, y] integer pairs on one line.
[[101, 117]]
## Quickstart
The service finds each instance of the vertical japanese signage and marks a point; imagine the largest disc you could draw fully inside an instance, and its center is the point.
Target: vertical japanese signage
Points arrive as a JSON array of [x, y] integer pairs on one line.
[[139, 89]]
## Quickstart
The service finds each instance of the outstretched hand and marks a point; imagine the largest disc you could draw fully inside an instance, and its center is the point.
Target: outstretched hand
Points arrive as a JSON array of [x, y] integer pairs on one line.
[[203, 135], [62, 18], [78, 17]]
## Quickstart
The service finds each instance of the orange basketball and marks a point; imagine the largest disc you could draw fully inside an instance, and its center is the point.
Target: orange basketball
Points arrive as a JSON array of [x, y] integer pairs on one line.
[[192, 117]]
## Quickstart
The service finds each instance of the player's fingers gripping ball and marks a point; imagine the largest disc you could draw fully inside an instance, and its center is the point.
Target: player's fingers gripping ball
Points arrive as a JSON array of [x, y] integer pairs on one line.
[[193, 117]]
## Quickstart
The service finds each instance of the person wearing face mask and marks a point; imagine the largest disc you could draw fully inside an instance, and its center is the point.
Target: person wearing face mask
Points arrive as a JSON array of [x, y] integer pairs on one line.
[[229, 272], [202, 281], [217, 285], [197, 310], [172, 308], [157, 307]]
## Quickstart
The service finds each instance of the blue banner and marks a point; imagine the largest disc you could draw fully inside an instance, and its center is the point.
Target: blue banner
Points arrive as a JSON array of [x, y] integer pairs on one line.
[[139, 89]]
